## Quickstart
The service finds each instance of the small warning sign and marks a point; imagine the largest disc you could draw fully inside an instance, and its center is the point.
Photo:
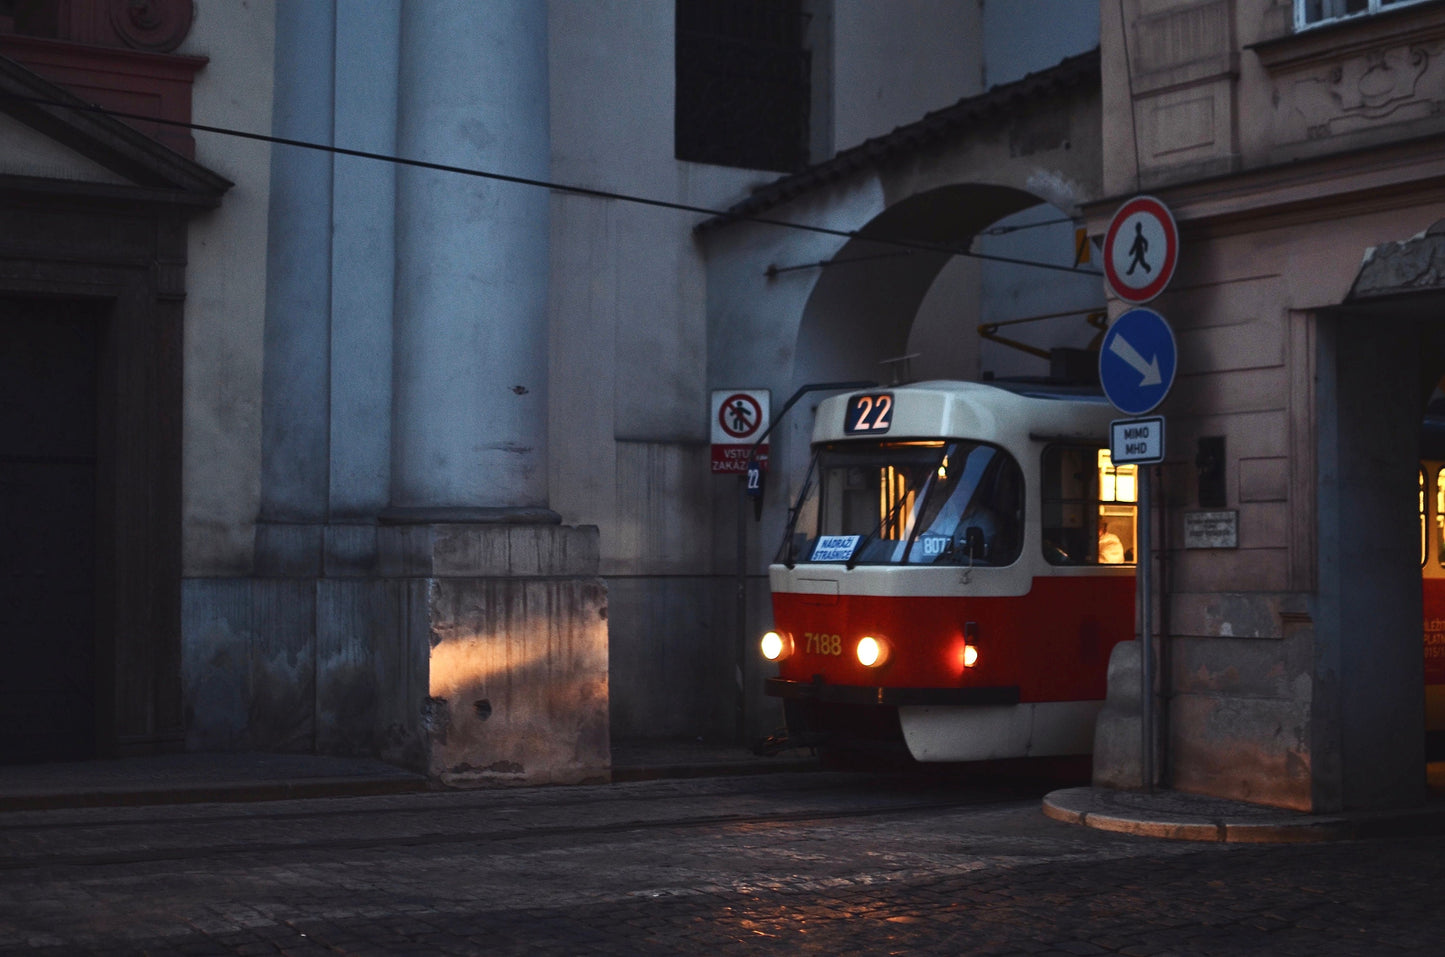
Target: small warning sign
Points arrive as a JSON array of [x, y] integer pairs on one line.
[[739, 418]]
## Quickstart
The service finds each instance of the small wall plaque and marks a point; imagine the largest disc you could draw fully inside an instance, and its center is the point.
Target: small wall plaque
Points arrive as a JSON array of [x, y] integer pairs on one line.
[[1211, 529]]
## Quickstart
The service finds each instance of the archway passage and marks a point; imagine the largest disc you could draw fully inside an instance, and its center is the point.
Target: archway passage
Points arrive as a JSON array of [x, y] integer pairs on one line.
[[49, 365], [1396, 310]]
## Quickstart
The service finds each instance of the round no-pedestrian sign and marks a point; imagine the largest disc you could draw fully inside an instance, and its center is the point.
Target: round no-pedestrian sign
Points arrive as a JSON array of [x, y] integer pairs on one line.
[[739, 418], [1141, 249]]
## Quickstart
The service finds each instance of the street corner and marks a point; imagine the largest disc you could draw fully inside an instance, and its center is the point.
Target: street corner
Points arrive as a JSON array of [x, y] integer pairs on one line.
[[1174, 815]]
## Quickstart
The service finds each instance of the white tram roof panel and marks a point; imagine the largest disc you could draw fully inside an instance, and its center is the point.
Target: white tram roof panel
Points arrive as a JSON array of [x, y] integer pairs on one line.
[[975, 410]]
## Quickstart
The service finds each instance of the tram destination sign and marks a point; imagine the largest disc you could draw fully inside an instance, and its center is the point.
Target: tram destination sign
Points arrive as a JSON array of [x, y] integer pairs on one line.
[[1137, 441]]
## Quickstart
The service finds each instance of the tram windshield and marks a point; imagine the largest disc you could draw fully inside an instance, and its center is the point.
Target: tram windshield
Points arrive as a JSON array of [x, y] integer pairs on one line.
[[908, 503]]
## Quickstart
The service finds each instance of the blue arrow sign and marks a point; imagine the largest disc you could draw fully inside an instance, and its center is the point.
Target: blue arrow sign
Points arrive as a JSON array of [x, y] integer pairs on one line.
[[1137, 360]]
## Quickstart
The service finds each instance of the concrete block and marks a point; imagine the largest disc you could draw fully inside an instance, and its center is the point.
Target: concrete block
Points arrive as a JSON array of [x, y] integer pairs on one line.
[[216, 675], [488, 551], [350, 550], [518, 681], [288, 550], [1118, 754], [1246, 749]]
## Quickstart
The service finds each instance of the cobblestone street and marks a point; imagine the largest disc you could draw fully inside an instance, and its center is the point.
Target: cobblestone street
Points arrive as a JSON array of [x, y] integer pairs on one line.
[[804, 863]]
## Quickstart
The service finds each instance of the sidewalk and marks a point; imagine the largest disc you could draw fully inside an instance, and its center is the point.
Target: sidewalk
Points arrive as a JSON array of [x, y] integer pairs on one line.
[[208, 777], [196, 778], [1191, 817]]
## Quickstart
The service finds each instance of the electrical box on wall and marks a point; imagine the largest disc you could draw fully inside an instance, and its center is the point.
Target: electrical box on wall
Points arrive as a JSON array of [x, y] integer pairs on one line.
[[1209, 466]]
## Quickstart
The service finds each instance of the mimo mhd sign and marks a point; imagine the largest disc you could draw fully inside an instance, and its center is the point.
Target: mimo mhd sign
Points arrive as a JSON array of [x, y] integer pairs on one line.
[[1137, 441]]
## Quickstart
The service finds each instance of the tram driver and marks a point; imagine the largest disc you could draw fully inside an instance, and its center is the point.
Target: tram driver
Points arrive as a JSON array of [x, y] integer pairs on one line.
[[1111, 549]]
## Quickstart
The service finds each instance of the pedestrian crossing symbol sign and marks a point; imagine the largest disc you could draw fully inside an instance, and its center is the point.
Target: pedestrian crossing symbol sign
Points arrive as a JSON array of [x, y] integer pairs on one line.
[[1141, 250]]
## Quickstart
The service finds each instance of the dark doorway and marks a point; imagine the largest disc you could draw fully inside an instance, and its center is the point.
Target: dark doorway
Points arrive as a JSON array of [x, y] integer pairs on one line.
[[49, 410]]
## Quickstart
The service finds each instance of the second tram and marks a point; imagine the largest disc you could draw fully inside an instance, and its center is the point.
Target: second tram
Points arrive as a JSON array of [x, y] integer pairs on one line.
[[1432, 575]]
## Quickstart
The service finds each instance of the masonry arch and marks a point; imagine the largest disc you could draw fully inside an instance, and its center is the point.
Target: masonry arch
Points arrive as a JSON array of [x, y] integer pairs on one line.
[[862, 309], [888, 308]]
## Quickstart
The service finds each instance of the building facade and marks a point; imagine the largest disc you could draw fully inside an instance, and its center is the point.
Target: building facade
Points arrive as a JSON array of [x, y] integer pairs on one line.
[[1298, 145]]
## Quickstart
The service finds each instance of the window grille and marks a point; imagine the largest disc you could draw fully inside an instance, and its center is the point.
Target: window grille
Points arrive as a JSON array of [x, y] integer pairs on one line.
[[742, 84]]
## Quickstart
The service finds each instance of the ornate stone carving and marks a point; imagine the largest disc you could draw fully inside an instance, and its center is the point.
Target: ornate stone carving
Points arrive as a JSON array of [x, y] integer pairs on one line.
[[1411, 266], [157, 26], [1372, 88]]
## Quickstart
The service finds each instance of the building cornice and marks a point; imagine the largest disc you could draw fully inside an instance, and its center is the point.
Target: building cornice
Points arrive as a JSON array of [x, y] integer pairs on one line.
[[1400, 175], [103, 139]]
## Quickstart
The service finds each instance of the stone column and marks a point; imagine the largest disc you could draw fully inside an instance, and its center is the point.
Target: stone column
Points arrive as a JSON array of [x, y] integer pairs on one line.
[[506, 599], [469, 417], [296, 403]]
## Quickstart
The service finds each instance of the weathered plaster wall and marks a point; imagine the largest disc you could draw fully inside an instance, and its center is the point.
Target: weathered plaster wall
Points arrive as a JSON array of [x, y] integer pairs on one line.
[[478, 654], [1025, 36], [894, 62], [226, 289], [627, 354], [334, 666]]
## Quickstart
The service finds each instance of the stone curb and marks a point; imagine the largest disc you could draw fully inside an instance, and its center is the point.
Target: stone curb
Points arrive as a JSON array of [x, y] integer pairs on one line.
[[1169, 816]]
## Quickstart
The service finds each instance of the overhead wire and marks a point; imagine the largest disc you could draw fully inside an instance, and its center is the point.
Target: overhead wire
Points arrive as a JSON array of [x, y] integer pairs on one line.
[[568, 188]]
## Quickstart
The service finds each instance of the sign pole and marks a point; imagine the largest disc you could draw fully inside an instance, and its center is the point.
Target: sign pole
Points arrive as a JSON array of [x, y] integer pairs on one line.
[[1137, 362], [740, 662], [1146, 626]]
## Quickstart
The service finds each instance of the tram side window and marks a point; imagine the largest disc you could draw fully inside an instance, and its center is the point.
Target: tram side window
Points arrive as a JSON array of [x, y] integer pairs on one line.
[[1439, 516], [1088, 507], [1118, 493], [1424, 526]]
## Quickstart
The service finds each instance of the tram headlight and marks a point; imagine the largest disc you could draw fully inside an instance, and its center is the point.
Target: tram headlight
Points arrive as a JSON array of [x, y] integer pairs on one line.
[[872, 651], [776, 645], [968, 657]]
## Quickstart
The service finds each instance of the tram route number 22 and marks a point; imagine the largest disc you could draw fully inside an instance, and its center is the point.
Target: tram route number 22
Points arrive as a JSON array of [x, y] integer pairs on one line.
[[869, 414], [822, 644]]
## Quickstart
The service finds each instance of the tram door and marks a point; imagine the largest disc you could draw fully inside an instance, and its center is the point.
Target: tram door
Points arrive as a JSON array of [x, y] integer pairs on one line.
[[49, 358]]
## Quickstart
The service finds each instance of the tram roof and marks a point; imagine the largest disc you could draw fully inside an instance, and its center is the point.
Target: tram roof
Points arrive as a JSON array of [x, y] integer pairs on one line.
[[1008, 415]]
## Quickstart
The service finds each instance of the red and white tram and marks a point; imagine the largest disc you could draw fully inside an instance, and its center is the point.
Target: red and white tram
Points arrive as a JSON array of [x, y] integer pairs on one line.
[[954, 574]]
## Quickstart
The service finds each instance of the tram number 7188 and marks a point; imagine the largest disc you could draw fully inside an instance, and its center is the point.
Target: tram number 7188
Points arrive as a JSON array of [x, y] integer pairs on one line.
[[822, 644]]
